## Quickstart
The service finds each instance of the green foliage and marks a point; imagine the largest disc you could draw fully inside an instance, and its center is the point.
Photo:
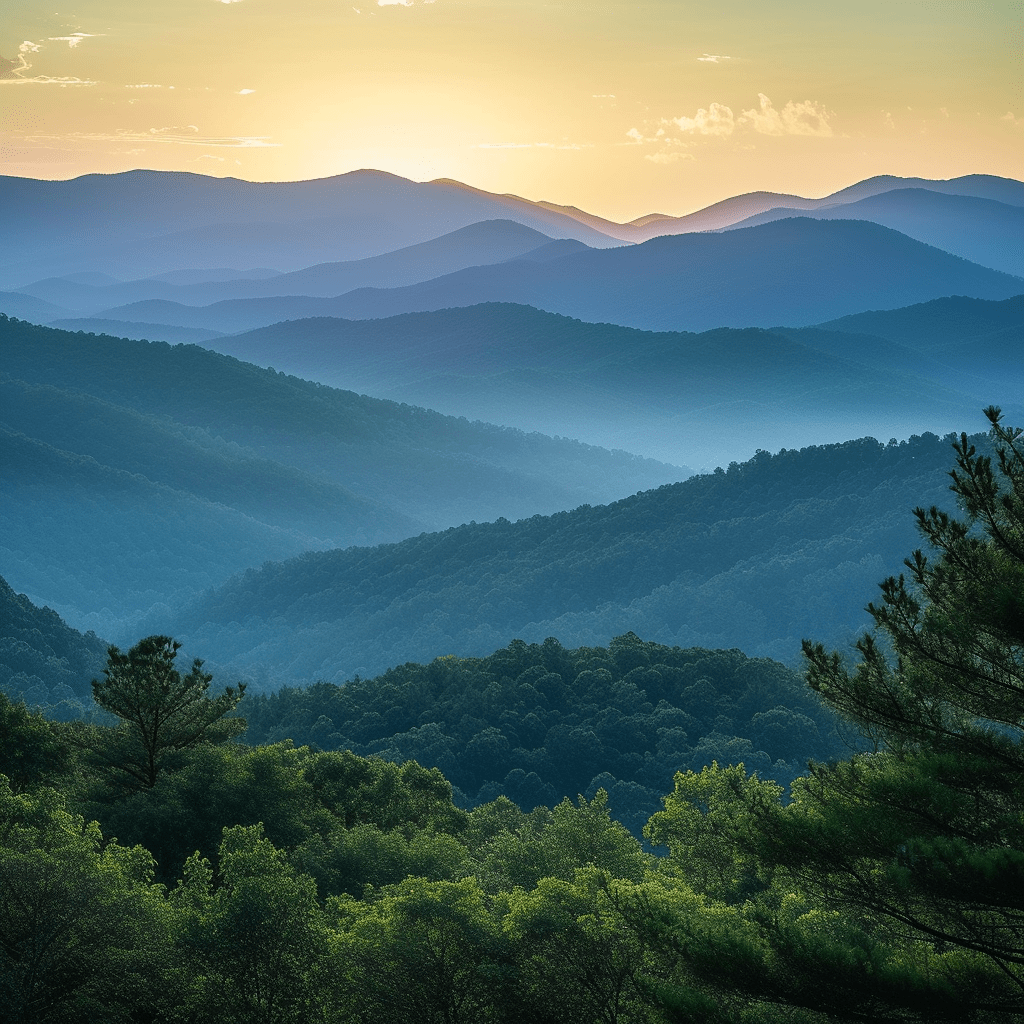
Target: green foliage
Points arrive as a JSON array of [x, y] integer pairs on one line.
[[889, 889], [163, 712], [422, 952], [255, 943], [84, 935], [43, 660], [555, 843], [539, 722], [31, 751]]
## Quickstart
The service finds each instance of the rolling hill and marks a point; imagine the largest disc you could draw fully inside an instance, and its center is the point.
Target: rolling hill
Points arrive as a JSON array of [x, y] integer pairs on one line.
[[138, 473], [753, 557], [703, 399], [483, 243], [981, 230], [143, 223]]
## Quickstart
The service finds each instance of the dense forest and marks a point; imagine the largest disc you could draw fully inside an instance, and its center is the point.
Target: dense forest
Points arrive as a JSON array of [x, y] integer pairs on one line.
[[43, 661], [155, 868], [538, 723]]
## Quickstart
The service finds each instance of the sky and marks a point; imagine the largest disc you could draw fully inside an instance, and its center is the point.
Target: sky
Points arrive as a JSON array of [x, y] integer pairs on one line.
[[622, 109]]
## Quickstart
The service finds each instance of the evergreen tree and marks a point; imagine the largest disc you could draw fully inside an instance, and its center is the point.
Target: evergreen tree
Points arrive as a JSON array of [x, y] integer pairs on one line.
[[162, 711], [892, 887]]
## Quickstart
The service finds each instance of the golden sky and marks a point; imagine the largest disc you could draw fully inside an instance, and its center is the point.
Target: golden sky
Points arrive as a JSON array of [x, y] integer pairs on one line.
[[620, 108]]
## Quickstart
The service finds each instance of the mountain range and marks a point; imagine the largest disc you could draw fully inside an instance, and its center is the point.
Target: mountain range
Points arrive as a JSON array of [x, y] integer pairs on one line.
[[754, 557], [148, 223], [141, 473]]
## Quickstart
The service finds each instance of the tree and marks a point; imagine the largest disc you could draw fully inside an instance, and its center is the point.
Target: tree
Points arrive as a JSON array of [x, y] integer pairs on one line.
[[84, 935], [162, 712], [892, 887], [256, 943], [420, 952], [31, 752]]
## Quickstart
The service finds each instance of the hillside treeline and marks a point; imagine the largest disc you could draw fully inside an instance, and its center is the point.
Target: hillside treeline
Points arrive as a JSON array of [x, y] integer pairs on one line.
[[538, 723], [43, 661], [754, 556]]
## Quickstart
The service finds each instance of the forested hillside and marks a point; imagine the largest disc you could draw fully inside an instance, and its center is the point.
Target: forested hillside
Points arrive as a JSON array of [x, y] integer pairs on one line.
[[294, 884], [43, 661], [138, 474], [756, 557], [538, 723]]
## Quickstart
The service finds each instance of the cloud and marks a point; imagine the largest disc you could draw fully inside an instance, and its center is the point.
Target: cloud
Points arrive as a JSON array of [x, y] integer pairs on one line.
[[805, 118], [75, 38], [184, 135], [43, 80], [669, 135], [400, 3], [13, 72], [716, 120], [1012, 118], [713, 58], [246, 92]]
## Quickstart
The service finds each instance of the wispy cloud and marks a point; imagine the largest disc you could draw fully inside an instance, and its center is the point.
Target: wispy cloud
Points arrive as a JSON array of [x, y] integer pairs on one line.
[[182, 135], [400, 3], [15, 72], [713, 58], [1015, 121], [75, 38], [717, 119], [245, 92], [804, 118]]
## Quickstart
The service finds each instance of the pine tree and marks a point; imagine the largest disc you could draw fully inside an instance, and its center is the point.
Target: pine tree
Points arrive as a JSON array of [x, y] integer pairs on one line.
[[162, 711], [892, 887]]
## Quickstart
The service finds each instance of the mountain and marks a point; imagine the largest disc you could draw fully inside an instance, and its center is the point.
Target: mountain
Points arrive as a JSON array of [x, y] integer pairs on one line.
[[732, 211], [486, 242], [28, 307], [156, 223], [754, 557], [139, 473], [981, 230], [797, 271], [703, 399], [145, 223]]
